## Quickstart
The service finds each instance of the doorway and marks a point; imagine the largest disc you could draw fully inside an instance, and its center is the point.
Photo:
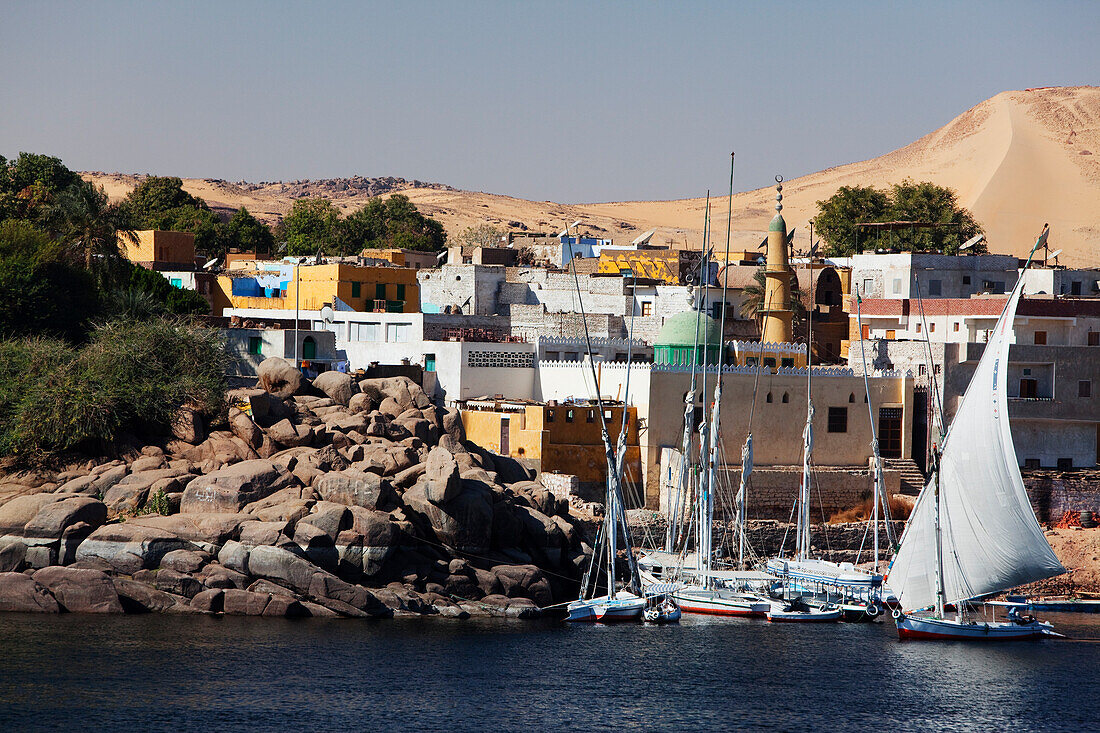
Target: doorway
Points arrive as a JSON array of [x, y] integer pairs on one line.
[[505, 430]]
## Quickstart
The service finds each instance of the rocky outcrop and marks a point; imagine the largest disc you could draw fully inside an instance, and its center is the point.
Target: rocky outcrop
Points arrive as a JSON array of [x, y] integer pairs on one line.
[[335, 498]]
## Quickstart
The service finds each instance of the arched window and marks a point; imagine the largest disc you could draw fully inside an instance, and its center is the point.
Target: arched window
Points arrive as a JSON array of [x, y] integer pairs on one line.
[[786, 398], [852, 397], [769, 397], [309, 348]]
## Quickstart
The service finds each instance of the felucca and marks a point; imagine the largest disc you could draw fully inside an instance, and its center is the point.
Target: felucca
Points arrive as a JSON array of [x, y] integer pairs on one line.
[[972, 531]]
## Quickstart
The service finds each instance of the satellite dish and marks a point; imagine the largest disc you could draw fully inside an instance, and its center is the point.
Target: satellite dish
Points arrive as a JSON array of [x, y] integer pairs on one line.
[[575, 224], [326, 314], [971, 242], [644, 238], [211, 263], [1054, 254]]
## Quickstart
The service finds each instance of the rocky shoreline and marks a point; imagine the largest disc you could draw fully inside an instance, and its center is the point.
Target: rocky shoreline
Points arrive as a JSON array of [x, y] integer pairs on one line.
[[330, 498]]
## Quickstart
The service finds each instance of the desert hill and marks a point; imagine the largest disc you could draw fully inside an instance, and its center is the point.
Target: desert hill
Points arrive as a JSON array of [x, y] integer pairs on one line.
[[1016, 160]]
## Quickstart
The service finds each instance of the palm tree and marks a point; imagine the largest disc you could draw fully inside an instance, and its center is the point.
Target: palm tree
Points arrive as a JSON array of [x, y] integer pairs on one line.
[[87, 224], [752, 303]]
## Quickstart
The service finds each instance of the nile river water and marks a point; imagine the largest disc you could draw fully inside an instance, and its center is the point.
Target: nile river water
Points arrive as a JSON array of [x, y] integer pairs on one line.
[[150, 673]]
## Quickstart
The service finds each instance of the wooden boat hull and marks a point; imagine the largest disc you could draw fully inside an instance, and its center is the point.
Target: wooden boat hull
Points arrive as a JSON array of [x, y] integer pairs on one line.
[[778, 615], [914, 628], [715, 603], [605, 610]]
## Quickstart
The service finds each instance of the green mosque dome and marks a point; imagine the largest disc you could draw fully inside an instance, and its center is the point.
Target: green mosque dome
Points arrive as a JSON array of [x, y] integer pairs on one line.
[[676, 341]]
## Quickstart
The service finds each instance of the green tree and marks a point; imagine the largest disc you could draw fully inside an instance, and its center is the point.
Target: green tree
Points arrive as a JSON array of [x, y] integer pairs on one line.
[[41, 293], [481, 235], [837, 216], [160, 202], [311, 225], [927, 202], [393, 222], [246, 233], [30, 184], [87, 224]]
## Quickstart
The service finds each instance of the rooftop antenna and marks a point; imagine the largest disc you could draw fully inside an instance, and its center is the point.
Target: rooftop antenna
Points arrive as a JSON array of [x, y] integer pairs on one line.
[[1054, 254]]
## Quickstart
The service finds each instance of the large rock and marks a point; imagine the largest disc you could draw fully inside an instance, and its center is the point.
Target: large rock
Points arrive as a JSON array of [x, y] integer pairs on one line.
[[20, 593], [452, 425], [368, 542], [338, 386], [326, 586], [13, 554], [15, 514], [288, 434], [54, 518], [232, 487], [138, 597], [79, 590], [127, 547], [330, 517], [207, 530], [244, 603], [356, 488], [245, 428], [441, 476], [464, 523], [275, 563], [187, 425], [234, 555], [524, 581], [279, 377], [184, 561]]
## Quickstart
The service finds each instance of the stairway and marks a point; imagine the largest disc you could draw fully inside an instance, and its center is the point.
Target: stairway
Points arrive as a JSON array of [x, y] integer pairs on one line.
[[912, 480]]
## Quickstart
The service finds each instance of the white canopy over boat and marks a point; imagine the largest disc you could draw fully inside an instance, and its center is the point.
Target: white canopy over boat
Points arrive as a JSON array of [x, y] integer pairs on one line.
[[990, 538]]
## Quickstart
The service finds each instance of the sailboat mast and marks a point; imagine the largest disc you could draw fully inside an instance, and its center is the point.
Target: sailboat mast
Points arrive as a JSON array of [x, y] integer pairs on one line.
[[702, 532], [808, 431], [940, 592], [879, 488]]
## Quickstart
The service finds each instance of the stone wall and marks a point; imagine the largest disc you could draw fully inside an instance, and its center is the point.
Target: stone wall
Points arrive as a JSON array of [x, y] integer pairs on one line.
[[1054, 492]]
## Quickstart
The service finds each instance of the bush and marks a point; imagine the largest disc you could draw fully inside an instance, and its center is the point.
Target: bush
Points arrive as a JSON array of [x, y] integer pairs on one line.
[[130, 377]]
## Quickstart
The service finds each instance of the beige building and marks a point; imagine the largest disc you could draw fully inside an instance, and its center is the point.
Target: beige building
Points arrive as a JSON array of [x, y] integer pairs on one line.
[[159, 250]]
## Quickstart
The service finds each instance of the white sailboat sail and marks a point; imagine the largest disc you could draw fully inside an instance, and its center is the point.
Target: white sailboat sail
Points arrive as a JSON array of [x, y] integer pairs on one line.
[[990, 538]]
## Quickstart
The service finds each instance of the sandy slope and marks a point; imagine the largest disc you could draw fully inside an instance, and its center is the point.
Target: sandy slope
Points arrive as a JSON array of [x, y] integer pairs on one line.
[[1017, 160]]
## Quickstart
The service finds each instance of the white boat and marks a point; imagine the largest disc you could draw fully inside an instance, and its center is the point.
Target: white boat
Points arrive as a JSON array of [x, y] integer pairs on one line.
[[799, 611], [661, 611], [972, 532], [623, 606], [720, 602]]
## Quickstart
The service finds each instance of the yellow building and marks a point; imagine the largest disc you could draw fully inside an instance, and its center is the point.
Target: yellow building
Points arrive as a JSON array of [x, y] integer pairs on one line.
[[159, 250], [311, 287], [662, 265], [557, 437], [776, 309], [774, 356]]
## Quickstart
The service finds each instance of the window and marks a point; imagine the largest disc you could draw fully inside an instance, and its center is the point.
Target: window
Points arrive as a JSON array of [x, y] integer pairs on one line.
[[769, 399], [550, 415], [380, 291], [255, 345], [966, 279], [551, 356], [769, 361], [868, 286], [935, 287], [897, 286], [852, 398], [891, 334], [647, 308], [1029, 389], [1040, 337], [1065, 464], [787, 362], [1075, 287], [569, 416], [429, 362], [838, 419], [309, 348], [397, 333], [356, 289], [570, 355], [1031, 463], [936, 369], [786, 398], [921, 370], [918, 328], [751, 361], [931, 328], [400, 292], [590, 416], [607, 414], [364, 331], [175, 282], [1084, 388], [955, 326], [1094, 338]]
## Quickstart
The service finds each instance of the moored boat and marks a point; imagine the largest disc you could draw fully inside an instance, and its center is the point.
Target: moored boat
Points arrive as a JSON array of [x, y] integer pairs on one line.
[[797, 610], [623, 606]]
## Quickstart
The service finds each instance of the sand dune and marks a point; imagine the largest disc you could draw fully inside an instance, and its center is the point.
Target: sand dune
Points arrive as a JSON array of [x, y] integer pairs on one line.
[[1017, 160]]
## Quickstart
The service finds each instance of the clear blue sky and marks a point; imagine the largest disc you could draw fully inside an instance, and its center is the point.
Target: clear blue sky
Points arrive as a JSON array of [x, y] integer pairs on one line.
[[566, 101]]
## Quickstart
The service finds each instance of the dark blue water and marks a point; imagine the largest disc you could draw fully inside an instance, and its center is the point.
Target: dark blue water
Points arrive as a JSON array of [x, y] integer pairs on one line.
[[200, 673]]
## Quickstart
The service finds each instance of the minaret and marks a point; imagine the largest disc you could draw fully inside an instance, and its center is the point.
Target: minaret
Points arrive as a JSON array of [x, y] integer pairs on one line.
[[776, 309]]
